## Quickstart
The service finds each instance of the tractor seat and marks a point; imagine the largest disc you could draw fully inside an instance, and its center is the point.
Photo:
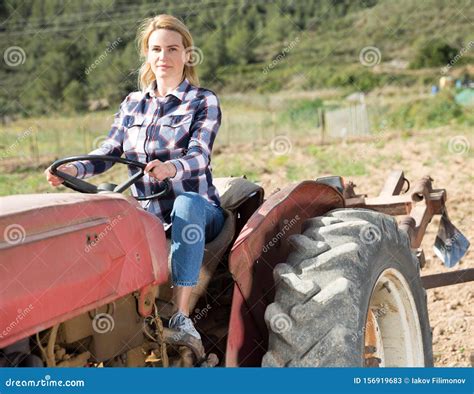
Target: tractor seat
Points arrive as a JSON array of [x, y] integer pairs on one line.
[[233, 193]]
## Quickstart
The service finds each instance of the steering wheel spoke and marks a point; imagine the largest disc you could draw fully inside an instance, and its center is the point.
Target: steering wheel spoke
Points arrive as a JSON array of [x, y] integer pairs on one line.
[[77, 184], [129, 182], [82, 186]]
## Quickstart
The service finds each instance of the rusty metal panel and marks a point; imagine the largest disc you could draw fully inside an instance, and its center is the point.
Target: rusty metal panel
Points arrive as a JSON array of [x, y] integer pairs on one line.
[[260, 246], [76, 252]]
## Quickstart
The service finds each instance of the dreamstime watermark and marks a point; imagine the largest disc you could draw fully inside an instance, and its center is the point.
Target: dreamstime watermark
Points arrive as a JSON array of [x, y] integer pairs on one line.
[[288, 224], [370, 56], [103, 56], [449, 242], [12, 147], [281, 56], [14, 234], [45, 382], [382, 129], [103, 323], [456, 58], [199, 314], [22, 313], [281, 323], [376, 138], [192, 234], [14, 56], [193, 56], [459, 145], [98, 237], [280, 145], [98, 141], [370, 234]]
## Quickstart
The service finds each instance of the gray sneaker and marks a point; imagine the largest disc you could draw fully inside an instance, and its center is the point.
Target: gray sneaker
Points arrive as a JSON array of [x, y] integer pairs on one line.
[[179, 321]]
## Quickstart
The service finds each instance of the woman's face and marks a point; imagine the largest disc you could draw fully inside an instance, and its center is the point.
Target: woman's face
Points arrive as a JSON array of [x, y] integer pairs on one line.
[[166, 54]]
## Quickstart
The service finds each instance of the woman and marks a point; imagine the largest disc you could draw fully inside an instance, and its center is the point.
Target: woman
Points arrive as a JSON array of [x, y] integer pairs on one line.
[[171, 125]]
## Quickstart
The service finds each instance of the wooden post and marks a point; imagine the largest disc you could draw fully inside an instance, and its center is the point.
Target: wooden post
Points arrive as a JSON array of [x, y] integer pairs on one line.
[[58, 144], [84, 138], [322, 122], [34, 150]]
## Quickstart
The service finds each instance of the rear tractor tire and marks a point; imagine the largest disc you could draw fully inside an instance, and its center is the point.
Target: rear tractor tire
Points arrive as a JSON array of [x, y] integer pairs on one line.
[[349, 295]]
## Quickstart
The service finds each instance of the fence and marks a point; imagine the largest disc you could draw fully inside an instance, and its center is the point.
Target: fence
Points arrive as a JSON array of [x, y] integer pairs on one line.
[[50, 139], [346, 122]]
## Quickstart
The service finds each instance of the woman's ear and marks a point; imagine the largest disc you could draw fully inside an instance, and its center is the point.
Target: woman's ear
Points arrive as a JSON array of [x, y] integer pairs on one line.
[[187, 56]]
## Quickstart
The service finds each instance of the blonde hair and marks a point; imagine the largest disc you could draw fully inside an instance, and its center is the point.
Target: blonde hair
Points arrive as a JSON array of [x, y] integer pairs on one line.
[[168, 22]]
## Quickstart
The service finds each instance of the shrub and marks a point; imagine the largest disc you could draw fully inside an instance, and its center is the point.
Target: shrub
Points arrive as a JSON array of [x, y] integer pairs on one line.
[[433, 54]]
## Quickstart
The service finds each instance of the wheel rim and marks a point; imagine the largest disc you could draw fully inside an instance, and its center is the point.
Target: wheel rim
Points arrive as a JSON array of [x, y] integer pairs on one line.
[[392, 331]]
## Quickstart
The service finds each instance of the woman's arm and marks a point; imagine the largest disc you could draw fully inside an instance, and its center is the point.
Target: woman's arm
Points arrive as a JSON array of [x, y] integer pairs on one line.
[[112, 146], [203, 133]]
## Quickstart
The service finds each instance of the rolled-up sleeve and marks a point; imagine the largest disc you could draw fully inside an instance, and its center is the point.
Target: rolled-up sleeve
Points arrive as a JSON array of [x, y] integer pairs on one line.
[[111, 146], [203, 130]]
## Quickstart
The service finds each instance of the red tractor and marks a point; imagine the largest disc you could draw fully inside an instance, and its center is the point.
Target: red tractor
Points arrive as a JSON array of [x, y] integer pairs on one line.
[[315, 275]]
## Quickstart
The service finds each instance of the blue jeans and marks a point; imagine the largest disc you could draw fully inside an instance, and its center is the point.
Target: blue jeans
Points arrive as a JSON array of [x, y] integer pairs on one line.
[[195, 221]]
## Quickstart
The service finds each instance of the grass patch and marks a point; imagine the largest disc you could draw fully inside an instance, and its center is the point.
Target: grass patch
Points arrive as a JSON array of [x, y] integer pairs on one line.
[[432, 112], [278, 161], [335, 161], [293, 173], [223, 167]]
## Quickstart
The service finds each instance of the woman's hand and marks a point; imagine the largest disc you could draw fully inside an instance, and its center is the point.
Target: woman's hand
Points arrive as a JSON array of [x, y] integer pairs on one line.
[[54, 180], [159, 170]]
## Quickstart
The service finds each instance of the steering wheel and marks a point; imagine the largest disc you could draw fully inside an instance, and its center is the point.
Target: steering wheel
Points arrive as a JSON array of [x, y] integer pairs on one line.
[[85, 187]]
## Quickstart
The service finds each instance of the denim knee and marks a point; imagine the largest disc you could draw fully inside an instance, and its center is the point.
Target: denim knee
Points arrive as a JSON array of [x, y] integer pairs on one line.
[[193, 220], [187, 203]]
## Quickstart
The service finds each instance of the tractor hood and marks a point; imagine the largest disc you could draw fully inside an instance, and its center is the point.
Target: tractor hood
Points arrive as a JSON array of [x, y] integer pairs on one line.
[[63, 254]]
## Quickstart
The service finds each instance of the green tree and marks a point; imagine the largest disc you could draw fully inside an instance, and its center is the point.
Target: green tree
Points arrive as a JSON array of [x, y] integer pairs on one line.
[[433, 54], [75, 97], [214, 54], [279, 26], [241, 45]]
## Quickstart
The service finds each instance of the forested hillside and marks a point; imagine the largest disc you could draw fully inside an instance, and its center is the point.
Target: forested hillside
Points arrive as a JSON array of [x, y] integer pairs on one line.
[[62, 55]]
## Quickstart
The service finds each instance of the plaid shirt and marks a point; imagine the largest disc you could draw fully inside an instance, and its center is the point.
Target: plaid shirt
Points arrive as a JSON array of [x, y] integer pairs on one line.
[[180, 128]]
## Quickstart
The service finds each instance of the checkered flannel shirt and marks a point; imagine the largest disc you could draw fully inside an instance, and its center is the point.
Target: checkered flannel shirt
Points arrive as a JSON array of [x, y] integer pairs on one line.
[[179, 128]]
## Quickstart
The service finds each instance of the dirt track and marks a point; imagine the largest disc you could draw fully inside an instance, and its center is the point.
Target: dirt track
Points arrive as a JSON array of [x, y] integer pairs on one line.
[[451, 165]]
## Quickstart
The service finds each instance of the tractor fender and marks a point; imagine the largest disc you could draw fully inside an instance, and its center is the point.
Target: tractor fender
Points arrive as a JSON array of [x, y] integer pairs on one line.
[[260, 246]]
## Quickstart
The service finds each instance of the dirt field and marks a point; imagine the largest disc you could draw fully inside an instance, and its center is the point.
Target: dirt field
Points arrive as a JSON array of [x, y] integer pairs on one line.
[[446, 155]]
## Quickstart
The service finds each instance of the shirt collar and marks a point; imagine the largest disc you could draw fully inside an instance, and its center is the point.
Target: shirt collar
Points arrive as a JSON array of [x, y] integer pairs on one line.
[[179, 92]]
